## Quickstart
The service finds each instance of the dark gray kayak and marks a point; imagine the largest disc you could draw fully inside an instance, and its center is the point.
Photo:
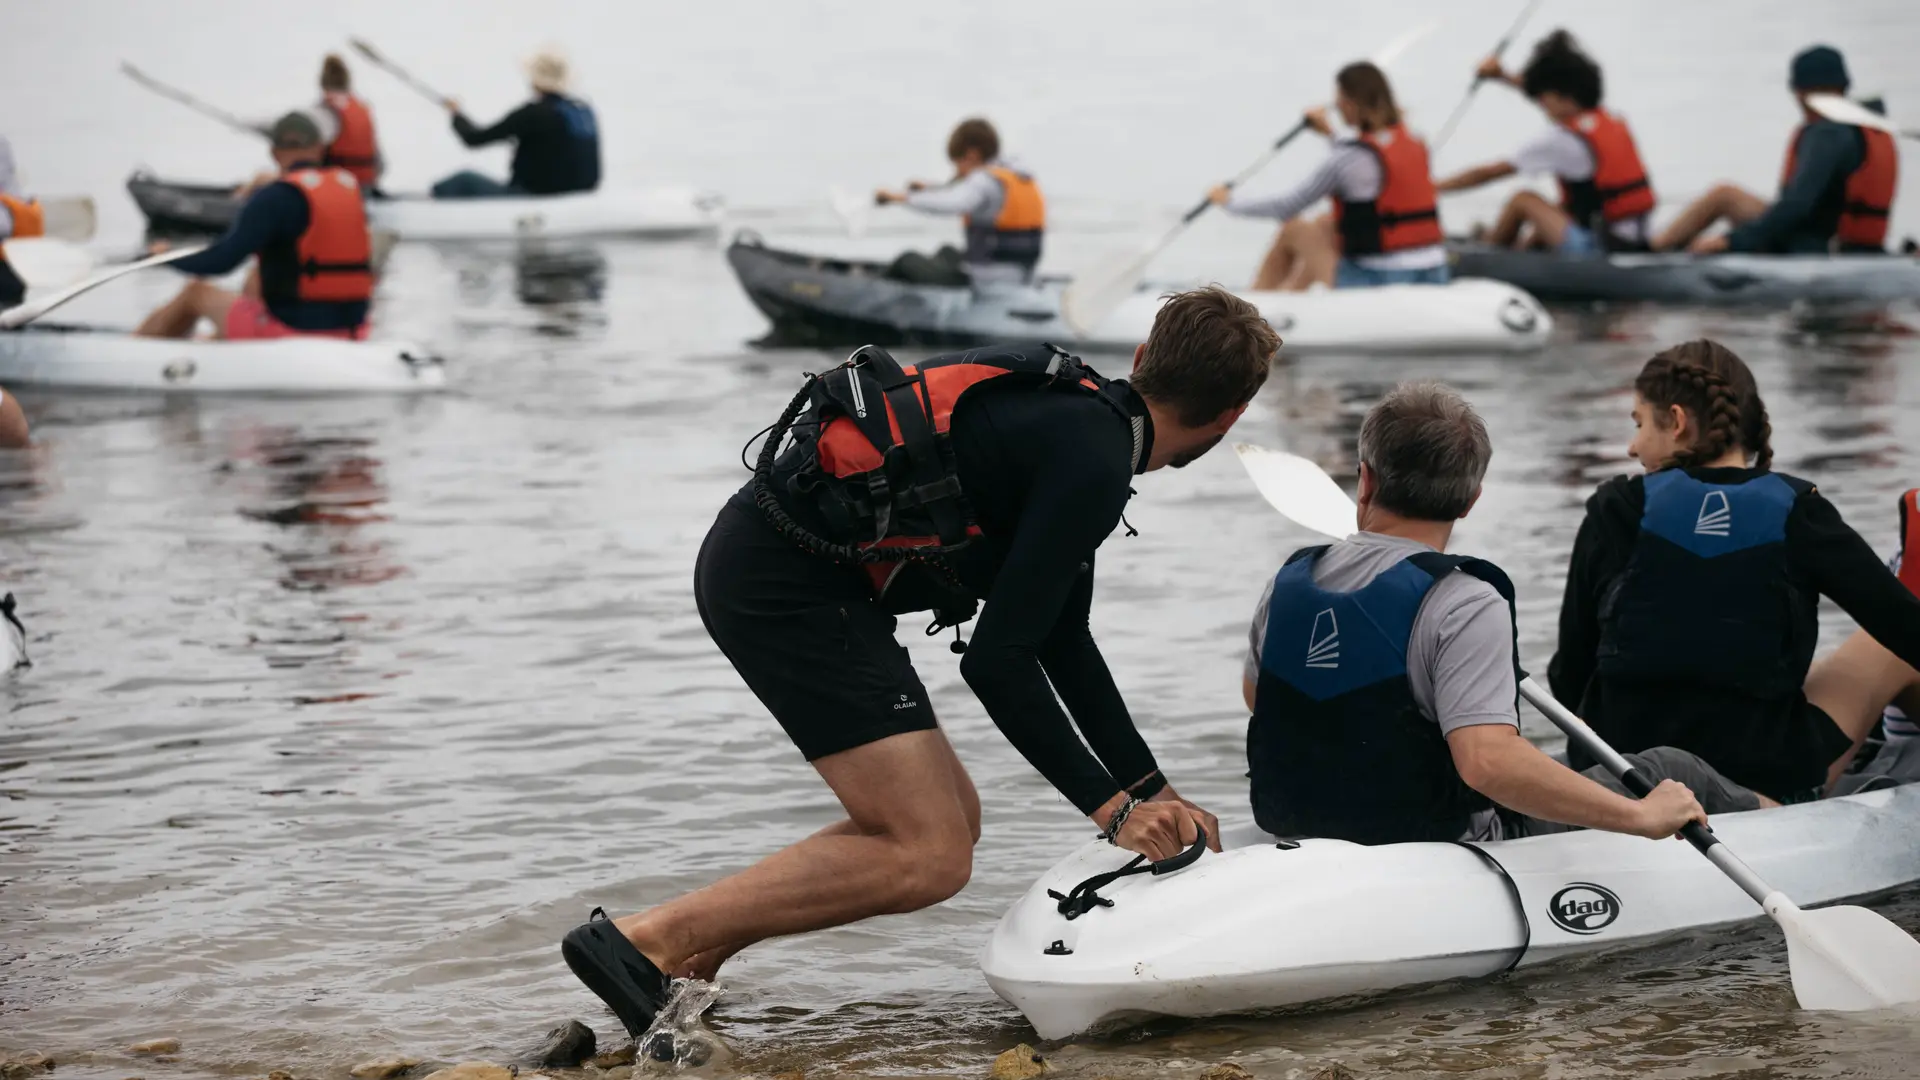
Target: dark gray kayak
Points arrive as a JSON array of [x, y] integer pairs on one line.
[[175, 207], [1689, 279]]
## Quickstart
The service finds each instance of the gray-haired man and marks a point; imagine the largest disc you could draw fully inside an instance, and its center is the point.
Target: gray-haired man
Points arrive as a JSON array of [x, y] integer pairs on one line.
[[1383, 677]]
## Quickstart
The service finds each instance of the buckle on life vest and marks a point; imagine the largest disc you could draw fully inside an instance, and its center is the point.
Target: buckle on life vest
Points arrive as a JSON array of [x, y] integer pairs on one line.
[[880, 490]]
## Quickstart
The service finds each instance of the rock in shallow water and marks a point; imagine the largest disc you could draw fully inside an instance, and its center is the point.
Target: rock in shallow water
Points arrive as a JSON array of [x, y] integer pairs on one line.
[[387, 1069], [155, 1046], [24, 1066], [1022, 1062], [564, 1047], [473, 1070], [1335, 1071], [1226, 1070]]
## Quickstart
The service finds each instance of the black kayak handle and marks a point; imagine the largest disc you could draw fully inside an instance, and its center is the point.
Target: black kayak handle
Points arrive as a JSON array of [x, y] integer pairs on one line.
[[1085, 896], [1184, 859]]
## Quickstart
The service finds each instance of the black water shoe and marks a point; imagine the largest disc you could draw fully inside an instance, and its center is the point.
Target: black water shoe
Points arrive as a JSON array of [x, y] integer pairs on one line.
[[602, 957]]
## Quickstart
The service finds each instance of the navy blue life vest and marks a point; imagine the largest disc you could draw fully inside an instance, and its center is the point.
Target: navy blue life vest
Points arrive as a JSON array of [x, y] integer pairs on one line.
[[1337, 746], [1707, 598], [583, 139]]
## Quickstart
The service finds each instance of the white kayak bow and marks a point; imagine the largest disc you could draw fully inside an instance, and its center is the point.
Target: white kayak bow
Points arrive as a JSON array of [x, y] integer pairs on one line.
[[1841, 958]]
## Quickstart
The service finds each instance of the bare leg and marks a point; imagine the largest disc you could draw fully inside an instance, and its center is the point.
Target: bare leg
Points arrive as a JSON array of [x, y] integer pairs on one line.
[[1316, 254], [706, 965], [1729, 201], [177, 317], [908, 844], [1854, 685], [1278, 265]]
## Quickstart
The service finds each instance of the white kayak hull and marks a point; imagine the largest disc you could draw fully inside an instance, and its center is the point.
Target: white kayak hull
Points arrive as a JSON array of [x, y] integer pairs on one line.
[[111, 360], [822, 301], [656, 213], [1258, 927]]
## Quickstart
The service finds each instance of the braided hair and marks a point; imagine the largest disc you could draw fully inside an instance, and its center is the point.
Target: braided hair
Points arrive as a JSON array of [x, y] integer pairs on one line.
[[1717, 390]]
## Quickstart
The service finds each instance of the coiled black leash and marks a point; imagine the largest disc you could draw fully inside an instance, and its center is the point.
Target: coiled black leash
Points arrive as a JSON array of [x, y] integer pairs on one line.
[[1085, 896]]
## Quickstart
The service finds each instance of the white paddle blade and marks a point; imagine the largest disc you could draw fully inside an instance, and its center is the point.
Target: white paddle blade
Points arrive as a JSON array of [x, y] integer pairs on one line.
[[1842, 110], [1849, 958], [69, 217], [1393, 49], [1300, 490], [46, 263], [1087, 301], [851, 209]]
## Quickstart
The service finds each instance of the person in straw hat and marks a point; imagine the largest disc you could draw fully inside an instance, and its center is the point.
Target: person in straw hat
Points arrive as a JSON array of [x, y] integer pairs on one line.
[[556, 142]]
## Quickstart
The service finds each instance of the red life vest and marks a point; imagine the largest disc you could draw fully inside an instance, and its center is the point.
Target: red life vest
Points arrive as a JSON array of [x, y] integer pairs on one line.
[[1909, 568], [332, 260], [1406, 212], [876, 462], [1618, 189], [1867, 200], [356, 148], [29, 218]]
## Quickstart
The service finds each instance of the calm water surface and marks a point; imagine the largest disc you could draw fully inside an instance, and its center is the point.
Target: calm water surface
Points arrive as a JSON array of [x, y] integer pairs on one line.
[[343, 711]]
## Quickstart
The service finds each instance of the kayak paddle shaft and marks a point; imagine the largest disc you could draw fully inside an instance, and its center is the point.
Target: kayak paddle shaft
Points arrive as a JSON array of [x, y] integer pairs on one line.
[[1695, 833]]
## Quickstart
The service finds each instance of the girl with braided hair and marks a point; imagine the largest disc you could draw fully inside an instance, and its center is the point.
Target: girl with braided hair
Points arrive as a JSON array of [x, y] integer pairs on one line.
[[1691, 607]]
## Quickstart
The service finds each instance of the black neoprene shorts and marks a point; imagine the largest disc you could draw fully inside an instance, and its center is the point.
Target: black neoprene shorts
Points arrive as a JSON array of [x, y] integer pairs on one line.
[[805, 635]]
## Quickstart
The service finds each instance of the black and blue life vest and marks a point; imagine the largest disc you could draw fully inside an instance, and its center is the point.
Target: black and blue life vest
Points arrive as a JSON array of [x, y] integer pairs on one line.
[[583, 134], [1707, 598], [1337, 746]]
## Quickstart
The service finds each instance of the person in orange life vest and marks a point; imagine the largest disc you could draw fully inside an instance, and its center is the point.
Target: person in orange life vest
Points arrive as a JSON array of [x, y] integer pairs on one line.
[[309, 231], [1836, 190], [1384, 228], [351, 141], [1605, 199], [346, 129], [1000, 203], [19, 217]]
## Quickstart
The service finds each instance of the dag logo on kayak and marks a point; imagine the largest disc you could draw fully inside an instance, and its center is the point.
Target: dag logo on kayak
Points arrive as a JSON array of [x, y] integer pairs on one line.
[[1583, 908]]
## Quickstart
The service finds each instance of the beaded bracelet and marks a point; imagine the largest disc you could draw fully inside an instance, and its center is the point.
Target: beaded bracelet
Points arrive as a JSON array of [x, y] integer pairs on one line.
[[1119, 820]]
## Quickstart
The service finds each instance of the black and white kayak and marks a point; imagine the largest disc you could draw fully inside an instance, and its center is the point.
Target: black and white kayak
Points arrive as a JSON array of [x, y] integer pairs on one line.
[[650, 213], [1261, 926], [1690, 279], [825, 301], [92, 358]]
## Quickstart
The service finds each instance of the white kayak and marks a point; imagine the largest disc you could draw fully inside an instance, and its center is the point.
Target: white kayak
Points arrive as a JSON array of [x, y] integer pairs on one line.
[[73, 356], [1260, 926], [824, 301], [655, 213]]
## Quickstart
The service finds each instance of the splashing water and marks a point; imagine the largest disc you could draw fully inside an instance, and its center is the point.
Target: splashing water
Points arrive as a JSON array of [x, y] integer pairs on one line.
[[677, 1040]]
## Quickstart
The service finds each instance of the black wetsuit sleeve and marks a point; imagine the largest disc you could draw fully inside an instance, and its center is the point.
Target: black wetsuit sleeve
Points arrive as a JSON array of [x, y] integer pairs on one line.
[[1599, 556], [1079, 675], [514, 125], [1074, 502], [275, 212], [1844, 567]]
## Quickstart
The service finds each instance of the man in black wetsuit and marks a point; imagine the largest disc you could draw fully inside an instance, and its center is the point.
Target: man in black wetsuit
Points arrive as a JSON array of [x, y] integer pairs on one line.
[[1044, 453]]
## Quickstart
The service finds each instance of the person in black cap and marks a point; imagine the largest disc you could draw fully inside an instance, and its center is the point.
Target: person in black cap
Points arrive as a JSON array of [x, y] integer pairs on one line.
[[308, 228], [1836, 190]]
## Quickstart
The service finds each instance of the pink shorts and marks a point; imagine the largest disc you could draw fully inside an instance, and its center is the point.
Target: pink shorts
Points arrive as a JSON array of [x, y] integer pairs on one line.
[[249, 320]]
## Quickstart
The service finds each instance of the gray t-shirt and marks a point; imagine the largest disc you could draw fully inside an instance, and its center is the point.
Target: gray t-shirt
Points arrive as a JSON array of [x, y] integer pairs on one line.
[[1460, 656]]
